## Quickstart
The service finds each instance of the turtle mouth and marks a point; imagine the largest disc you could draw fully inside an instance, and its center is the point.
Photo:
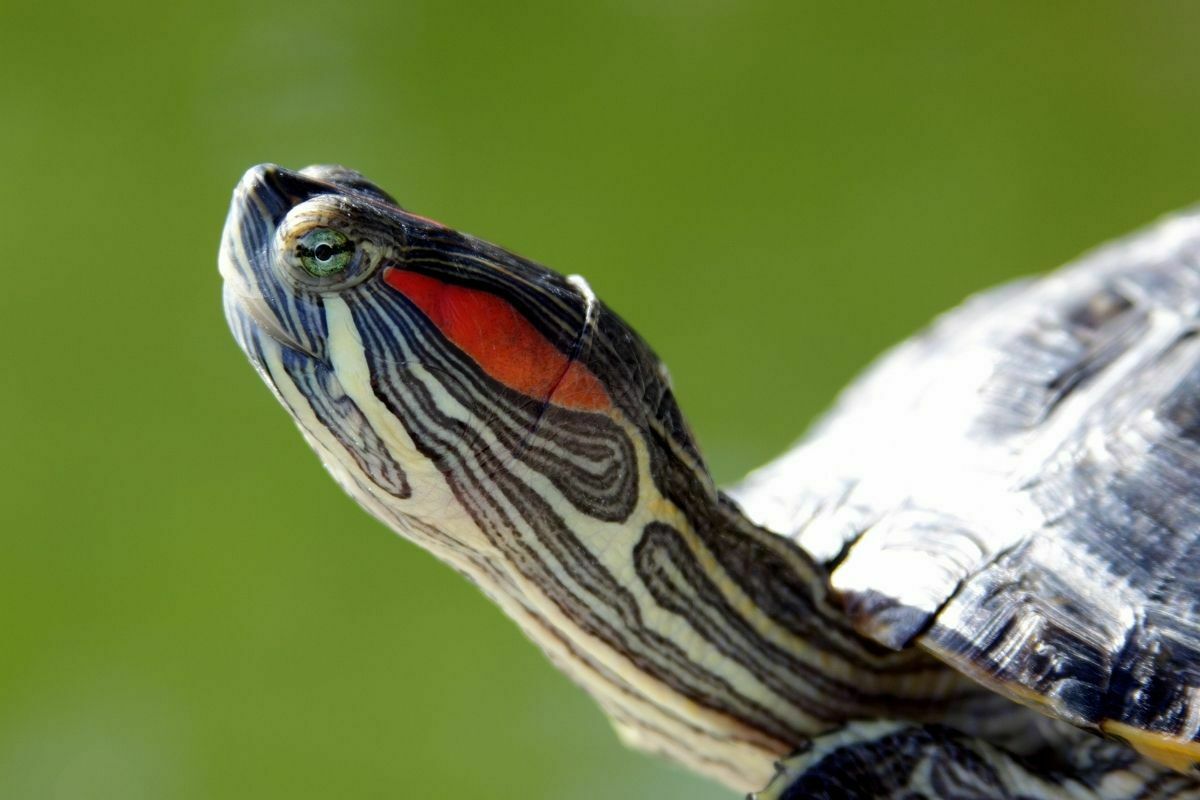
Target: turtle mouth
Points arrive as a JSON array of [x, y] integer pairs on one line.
[[255, 329], [247, 313], [252, 293]]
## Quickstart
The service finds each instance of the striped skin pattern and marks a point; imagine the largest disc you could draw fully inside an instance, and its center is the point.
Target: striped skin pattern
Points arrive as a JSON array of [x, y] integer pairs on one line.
[[558, 475], [900, 761], [500, 416]]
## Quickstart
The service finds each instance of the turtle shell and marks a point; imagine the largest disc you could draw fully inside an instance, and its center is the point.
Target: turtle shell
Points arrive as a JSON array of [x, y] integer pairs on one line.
[[1017, 490]]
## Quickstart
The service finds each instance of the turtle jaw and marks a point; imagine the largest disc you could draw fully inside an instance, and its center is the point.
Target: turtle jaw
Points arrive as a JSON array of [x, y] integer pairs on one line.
[[248, 317], [254, 297]]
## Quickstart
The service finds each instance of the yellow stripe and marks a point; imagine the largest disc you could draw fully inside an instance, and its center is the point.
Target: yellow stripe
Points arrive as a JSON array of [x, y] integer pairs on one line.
[[1181, 755]]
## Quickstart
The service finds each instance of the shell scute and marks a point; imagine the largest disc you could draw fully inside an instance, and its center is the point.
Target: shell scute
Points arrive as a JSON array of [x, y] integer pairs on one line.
[[1018, 491]]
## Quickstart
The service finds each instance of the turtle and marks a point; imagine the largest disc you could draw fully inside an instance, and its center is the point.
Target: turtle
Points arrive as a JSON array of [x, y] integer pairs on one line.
[[974, 577]]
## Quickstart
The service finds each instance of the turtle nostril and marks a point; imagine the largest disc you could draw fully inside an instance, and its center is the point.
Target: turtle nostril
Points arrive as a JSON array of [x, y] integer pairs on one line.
[[275, 191]]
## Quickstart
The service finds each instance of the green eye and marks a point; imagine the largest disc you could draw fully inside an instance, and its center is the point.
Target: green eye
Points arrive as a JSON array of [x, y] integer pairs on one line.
[[324, 252]]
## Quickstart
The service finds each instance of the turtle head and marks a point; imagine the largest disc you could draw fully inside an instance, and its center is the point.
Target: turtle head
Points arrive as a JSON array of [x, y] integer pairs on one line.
[[499, 415], [291, 239], [434, 373]]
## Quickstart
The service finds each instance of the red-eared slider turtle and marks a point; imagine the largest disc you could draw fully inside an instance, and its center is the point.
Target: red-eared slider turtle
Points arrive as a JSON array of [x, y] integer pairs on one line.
[[1002, 515]]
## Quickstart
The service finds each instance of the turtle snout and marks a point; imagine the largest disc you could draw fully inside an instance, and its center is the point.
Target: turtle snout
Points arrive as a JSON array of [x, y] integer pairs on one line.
[[269, 192], [255, 295]]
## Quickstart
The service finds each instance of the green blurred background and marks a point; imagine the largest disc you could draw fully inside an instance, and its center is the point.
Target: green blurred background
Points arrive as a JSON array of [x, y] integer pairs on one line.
[[771, 193]]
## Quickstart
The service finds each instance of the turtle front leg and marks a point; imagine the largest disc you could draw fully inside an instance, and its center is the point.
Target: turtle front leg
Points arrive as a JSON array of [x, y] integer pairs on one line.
[[904, 761]]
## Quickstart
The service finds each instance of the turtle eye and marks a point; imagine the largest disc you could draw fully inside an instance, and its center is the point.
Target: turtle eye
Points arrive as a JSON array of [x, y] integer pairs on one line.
[[323, 252]]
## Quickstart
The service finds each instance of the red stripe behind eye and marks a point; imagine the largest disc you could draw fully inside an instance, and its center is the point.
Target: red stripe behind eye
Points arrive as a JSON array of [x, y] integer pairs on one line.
[[501, 341]]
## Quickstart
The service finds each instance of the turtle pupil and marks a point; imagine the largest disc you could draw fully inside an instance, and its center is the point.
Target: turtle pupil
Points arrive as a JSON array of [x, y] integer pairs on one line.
[[324, 252]]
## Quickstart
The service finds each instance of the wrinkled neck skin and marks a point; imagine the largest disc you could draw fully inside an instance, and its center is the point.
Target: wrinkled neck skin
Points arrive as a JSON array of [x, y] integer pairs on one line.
[[585, 513], [703, 637]]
